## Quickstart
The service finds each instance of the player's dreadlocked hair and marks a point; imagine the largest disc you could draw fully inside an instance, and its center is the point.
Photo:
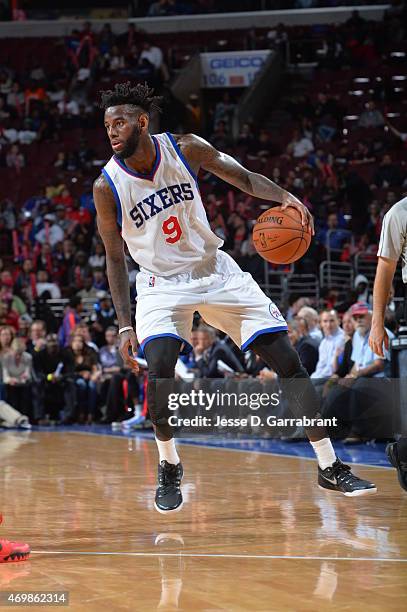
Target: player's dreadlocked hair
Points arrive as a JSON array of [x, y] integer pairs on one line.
[[140, 95]]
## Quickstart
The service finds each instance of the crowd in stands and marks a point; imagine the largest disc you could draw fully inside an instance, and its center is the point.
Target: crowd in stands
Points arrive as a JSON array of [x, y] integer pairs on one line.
[[342, 153], [77, 375]]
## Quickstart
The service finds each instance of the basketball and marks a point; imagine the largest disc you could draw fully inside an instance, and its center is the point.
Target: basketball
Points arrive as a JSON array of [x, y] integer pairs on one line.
[[279, 237]]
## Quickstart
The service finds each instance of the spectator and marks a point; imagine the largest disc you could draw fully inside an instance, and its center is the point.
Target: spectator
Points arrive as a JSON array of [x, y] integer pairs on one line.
[[38, 332], [311, 318], [332, 236], [334, 338], [371, 117], [388, 174], [103, 317], [361, 285], [360, 405], [13, 301], [224, 111], [78, 213], [342, 361], [98, 259], [115, 60], [15, 159], [300, 145], [18, 377], [25, 282], [72, 316], [55, 391], [65, 224], [79, 271], [152, 54], [83, 329], [23, 331], [7, 334], [220, 139], [209, 351], [99, 279], [106, 40], [343, 358], [120, 387], [8, 316], [82, 362], [43, 284], [194, 114], [51, 233], [89, 292], [306, 347]]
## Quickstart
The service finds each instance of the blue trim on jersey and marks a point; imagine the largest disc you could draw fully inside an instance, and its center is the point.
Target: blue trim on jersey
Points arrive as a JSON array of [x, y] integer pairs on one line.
[[116, 196], [185, 349], [182, 158], [268, 330], [150, 175]]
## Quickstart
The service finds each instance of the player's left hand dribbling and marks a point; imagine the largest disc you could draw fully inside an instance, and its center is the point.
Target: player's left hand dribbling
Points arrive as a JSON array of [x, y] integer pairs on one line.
[[289, 200], [128, 350], [377, 338]]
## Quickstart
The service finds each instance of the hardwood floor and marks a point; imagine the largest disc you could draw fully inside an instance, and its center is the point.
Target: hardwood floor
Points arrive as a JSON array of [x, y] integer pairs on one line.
[[255, 532]]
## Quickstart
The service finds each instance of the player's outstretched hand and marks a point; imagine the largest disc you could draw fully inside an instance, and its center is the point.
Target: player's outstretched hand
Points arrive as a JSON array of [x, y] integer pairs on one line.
[[128, 349], [377, 338], [289, 200]]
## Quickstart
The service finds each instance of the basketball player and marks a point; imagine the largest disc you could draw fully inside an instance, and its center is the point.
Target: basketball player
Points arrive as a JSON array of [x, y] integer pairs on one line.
[[13, 551], [392, 246], [149, 188]]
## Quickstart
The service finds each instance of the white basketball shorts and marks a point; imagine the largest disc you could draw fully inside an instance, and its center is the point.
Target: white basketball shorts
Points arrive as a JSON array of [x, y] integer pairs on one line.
[[226, 298]]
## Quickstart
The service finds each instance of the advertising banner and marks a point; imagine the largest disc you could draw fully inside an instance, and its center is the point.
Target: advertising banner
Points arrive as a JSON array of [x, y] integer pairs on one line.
[[231, 68]]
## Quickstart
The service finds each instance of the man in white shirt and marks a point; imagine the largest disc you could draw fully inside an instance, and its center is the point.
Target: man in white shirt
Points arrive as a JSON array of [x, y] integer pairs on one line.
[[300, 145], [153, 54], [43, 284], [311, 317], [52, 235], [334, 338]]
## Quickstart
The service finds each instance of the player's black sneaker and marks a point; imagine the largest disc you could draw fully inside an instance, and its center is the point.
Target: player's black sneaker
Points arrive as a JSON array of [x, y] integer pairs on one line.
[[168, 497], [339, 478], [401, 466]]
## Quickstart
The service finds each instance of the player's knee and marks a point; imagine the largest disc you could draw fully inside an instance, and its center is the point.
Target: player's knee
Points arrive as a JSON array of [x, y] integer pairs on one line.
[[290, 365], [277, 351], [161, 355]]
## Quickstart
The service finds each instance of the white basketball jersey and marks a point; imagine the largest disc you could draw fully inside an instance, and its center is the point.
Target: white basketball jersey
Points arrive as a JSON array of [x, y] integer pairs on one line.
[[161, 214]]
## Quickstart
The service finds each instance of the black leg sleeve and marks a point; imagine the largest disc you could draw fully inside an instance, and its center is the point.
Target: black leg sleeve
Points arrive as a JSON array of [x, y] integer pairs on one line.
[[161, 355], [276, 350]]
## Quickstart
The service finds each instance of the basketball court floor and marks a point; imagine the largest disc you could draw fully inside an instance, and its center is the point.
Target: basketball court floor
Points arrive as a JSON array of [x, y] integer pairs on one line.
[[255, 532]]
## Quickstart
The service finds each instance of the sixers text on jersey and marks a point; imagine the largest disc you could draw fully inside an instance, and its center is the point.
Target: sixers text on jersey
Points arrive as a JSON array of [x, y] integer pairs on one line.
[[180, 193]]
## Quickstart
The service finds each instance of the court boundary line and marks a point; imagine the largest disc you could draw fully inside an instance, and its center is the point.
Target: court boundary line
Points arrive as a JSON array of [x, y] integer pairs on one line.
[[216, 555], [147, 438]]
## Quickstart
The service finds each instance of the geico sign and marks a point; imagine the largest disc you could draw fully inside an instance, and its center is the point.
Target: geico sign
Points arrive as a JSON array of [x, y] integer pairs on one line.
[[236, 62]]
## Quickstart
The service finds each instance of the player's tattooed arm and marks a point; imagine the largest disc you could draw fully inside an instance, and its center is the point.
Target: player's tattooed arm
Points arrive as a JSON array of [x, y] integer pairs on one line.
[[201, 154], [116, 266]]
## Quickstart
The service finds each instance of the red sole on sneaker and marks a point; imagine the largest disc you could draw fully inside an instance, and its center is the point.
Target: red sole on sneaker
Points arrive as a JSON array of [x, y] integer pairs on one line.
[[15, 557]]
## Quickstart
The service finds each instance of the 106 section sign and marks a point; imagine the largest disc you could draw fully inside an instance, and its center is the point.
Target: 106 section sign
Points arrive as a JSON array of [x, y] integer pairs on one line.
[[231, 68]]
